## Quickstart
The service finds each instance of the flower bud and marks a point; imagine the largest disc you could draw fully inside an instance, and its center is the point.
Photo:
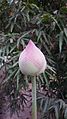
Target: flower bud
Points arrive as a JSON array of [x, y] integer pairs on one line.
[[32, 61]]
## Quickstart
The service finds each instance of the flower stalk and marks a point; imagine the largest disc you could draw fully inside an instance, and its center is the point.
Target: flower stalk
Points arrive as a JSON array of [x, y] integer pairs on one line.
[[34, 103]]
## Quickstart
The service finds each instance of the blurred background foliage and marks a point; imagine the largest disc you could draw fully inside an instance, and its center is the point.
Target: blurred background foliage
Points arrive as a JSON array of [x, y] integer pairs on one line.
[[45, 22]]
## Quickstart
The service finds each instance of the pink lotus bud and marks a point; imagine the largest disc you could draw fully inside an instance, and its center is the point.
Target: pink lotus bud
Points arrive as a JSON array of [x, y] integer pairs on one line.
[[32, 61]]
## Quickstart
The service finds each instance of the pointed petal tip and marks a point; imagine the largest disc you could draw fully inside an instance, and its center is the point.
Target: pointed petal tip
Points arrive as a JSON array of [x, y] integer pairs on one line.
[[30, 42]]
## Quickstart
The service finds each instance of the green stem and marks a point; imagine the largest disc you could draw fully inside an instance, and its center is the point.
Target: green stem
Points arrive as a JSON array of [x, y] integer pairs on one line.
[[34, 103]]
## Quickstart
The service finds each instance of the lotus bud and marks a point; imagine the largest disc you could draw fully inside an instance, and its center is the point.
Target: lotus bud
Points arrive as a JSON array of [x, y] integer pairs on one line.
[[32, 61]]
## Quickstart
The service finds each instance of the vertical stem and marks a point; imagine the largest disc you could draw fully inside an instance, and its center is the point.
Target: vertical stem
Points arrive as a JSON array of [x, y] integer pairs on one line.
[[34, 103]]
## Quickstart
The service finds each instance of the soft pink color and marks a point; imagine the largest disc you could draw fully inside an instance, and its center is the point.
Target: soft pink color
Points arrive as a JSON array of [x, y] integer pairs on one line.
[[32, 61]]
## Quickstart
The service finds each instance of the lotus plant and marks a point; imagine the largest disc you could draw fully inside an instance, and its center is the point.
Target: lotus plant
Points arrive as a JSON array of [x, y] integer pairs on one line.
[[32, 62]]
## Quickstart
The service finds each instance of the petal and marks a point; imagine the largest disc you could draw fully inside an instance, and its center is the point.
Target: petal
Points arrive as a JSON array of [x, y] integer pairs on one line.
[[34, 55], [27, 67], [32, 61]]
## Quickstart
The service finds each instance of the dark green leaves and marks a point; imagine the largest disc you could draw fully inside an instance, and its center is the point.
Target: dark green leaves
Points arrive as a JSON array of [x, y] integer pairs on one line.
[[10, 1]]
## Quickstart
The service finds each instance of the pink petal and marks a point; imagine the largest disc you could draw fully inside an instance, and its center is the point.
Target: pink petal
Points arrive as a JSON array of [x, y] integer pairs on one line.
[[31, 60]]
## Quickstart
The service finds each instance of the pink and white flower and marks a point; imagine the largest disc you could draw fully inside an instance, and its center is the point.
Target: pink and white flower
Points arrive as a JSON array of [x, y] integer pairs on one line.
[[32, 61]]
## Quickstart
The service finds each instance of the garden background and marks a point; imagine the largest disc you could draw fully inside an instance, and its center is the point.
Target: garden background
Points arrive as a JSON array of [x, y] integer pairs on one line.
[[45, 23]]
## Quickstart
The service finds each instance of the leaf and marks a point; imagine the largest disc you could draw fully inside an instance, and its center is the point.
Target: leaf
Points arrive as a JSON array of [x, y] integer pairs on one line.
[[17, 73], [18, 78], [46, 17], [44, 35], [28, 17], [24, 34], [10, 76], [12, 49], [10, 1], [15, 64], [60, 41], [46, 80], [1, 1], [46, 105], [39, 36], [41, 79], [35, 6], [56, 112], [65, 31], [62, 103], [63, 10], [51, 68], [56, 22], [65, 114], [2, 58], [41, 104], [50, 75], [47, 49]]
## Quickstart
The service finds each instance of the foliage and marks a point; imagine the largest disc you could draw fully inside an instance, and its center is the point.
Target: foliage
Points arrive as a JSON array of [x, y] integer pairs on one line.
[[46, 25], [51, 107]]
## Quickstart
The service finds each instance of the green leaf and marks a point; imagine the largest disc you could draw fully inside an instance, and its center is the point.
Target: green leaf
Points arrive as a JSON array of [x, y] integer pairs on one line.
[[56, 22], [10, 76], [24, 34], [46, 80], [44, 35], [41, 103], [10, 1], [65, 113], [46, 105], [60, 41], [28, 17], [39, 36], [63, 10], [56, 112], [35, 6], [14, 65], [46, 17], [18, 78], [12, 49], [65, 31], [51, 68]]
